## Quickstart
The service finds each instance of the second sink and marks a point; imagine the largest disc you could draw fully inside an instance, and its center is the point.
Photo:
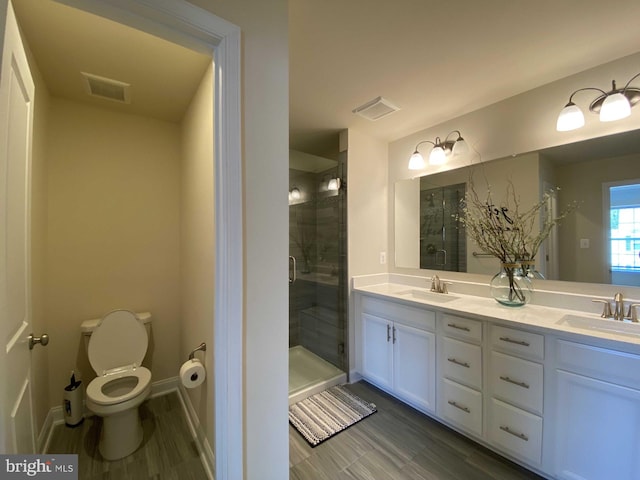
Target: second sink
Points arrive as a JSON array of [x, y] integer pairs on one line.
[[600, 324]]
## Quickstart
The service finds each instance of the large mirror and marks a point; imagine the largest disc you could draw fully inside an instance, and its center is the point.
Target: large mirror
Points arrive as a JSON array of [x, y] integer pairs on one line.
[[597, 243]]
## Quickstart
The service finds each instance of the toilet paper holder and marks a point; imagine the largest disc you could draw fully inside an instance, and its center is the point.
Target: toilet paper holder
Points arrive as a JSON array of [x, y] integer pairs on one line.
[[202, 347]]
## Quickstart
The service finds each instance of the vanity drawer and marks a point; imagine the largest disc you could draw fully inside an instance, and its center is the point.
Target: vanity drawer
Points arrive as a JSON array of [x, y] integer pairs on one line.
[[517, 381], [397, 312], [463, 328], [612, 366], [462, 362], [516, 431], [521, 343], [462, 406]]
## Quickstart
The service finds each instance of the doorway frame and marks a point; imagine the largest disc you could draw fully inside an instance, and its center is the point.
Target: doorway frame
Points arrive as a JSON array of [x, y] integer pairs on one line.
[[201, 30]]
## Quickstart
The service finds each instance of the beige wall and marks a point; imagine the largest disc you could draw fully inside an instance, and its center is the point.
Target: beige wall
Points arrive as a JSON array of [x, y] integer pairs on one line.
[[583, 183], [197, 244], [265, 126], [113, 231], [367, 203]]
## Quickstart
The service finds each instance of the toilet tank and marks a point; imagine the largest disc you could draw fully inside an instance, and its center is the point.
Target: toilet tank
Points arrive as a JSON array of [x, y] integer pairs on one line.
[[88, 326]]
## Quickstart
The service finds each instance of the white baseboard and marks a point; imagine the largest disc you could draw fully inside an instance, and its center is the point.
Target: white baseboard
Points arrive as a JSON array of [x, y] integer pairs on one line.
[[54, 417], [206, 452], [162, 387], [354, 376]]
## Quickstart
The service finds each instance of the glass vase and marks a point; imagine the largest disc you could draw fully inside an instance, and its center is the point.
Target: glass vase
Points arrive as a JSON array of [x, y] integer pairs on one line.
[[529, 269], [511, 287]]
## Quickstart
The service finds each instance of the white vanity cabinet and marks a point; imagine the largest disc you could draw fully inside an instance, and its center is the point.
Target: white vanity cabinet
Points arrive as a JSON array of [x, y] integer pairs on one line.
[[597, 402], [460, 377], [516, 388], [399, 351]]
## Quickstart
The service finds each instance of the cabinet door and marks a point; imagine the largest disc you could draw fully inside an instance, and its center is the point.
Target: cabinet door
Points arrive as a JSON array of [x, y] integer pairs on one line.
[[414, 366], [377, 350], [596, 429]]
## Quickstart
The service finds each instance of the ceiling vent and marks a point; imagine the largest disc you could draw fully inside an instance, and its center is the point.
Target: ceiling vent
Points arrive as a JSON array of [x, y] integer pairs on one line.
[[376, 109], [106, 88]]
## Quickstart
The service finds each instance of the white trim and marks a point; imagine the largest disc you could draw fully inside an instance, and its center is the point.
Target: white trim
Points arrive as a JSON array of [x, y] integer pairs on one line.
[[228, 325], [207, 456], [162, 387], [193, 27], [54, 417]]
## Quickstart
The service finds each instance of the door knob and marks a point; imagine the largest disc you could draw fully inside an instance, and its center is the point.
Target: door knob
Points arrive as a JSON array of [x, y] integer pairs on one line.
[[43, 340]]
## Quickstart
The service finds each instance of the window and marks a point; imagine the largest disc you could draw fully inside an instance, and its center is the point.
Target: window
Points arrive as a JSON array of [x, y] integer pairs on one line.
[[625, 227]]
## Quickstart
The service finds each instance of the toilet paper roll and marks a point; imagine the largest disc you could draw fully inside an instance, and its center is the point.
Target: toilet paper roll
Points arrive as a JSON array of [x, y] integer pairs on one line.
[[192, 373]]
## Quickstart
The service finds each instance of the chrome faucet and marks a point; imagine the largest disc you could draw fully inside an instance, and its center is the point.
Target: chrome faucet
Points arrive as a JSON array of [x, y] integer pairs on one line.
[[438, 286], [435, 284], [618, 309]]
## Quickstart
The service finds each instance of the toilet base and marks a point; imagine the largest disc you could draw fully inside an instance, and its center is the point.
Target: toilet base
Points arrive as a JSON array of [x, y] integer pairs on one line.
[[121, 434]]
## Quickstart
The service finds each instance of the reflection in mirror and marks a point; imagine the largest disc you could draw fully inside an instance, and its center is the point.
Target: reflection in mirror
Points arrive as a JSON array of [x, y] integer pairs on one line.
[[597, 243]]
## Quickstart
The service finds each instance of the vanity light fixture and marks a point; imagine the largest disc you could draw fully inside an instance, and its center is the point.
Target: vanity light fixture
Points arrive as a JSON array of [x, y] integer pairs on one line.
[[441, 150], [334, 184], [294, 194], [612, 105]]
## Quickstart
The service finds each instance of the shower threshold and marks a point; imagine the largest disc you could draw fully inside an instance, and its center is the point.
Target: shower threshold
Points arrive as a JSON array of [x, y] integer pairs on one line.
[[309, 374]]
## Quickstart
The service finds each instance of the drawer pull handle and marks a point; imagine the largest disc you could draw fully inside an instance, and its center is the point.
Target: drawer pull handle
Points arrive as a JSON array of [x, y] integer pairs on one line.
[[517, 342], [458, 327], [515, 382], [388, 333], [521, 436], [459, 407], [394, 335], [458, 362]]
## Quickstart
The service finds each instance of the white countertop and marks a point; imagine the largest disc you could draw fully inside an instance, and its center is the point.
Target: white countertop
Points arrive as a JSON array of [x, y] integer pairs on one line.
[[537, 317]]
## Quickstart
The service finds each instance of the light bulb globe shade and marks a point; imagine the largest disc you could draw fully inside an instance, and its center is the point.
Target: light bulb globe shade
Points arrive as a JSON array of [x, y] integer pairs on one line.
[[460, 147], [570, 118], [295, 193], [416, 162], [334, 184], [437, 156], [615, 107]]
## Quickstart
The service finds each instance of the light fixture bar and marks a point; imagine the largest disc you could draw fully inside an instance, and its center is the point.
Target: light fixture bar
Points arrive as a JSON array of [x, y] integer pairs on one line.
[[613, 105], [440, 151]]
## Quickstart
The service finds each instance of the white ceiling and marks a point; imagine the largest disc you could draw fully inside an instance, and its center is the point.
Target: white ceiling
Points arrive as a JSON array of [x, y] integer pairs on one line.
[[435, 59], [66, 41], [438, 59]]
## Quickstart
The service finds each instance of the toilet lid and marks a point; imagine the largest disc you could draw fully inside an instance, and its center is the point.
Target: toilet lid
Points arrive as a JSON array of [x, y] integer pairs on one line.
[[120, 339]]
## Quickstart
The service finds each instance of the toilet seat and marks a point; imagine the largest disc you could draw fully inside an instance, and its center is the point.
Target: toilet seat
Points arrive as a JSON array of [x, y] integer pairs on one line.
[[95, 389], [119, 340]]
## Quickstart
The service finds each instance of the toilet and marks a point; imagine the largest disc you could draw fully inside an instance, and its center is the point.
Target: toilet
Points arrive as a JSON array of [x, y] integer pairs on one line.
[[116, 345]]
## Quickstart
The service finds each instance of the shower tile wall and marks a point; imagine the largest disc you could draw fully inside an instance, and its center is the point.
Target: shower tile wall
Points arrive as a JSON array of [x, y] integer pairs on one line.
[[443, 243], [316, 303]]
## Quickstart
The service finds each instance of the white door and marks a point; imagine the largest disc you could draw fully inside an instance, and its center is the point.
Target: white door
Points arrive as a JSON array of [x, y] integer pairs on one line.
[[414, 366], [377, 350], [596, 429], [17, 433]]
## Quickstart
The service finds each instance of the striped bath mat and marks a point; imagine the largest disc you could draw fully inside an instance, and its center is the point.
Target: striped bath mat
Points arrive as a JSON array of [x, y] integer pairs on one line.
[[326, 413]]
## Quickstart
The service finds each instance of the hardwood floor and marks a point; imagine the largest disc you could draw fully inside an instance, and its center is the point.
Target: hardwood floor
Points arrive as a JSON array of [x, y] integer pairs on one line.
[[167, 452], [397, 443]]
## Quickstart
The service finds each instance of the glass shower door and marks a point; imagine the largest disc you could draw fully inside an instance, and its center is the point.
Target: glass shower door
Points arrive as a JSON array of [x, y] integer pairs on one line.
[[442, 237]]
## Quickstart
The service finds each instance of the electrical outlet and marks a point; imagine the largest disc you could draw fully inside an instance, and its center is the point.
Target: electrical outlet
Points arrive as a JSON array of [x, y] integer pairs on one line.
[[383, 258]]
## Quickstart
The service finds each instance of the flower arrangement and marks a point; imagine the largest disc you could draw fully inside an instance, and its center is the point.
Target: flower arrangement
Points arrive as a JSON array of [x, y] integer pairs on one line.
[[509, 234]]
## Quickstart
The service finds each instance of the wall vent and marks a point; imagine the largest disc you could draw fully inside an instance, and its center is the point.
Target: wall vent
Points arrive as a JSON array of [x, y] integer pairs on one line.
[[106, 88], [376, 109]]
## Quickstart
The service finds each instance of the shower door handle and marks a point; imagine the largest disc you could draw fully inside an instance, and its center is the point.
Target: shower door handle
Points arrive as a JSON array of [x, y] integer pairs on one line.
[[443, 256], [292, 269]]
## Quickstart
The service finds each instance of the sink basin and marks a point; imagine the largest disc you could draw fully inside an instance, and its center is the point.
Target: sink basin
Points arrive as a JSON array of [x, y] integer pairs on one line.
[[427, 295], [599, 324]]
